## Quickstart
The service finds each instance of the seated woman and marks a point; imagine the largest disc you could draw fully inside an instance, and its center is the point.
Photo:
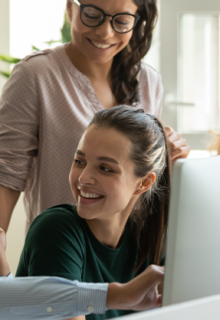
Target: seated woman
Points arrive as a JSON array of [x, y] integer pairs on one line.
[[120, 179]]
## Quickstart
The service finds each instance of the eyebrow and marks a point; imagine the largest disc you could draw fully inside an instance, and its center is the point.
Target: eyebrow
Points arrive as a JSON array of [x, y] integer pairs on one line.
[[98, 158], [80, 153], [127, 12], [107, 159]]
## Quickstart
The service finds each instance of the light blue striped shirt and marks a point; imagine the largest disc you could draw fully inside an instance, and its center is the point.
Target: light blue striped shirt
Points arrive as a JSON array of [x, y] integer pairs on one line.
[[49, 298]]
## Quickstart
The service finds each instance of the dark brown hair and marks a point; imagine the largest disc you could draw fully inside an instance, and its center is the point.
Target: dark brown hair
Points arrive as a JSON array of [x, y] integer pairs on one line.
[[149, 218], [127, 63]]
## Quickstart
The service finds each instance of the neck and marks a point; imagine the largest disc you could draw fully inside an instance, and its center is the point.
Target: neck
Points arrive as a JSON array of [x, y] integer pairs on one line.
[[91, 69], [109, 230]]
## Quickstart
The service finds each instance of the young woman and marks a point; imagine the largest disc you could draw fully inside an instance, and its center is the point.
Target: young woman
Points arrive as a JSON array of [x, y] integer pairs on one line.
[[120, 181], [52, 96]]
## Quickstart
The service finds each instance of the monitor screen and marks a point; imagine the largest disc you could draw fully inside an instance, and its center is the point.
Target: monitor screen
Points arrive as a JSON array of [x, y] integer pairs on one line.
[[193, 244]]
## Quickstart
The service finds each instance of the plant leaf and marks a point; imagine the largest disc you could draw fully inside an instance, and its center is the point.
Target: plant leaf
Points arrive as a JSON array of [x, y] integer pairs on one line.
[[35, 48], [52, 41], [9, 59], [5, 74]]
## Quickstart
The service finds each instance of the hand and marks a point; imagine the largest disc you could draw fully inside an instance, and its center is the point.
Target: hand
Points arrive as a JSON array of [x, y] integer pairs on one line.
[[4, 267], [178, 146], [2, 242], [141, 293]]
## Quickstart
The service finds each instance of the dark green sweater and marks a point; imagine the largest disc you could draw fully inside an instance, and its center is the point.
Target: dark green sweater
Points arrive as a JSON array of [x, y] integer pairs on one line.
[[60, 243]]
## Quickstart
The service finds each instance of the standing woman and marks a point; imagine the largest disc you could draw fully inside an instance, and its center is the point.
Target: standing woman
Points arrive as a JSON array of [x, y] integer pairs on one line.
[[52, 96]]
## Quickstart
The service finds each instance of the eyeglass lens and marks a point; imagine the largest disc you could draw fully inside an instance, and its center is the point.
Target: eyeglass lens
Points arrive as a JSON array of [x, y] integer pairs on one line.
[[93, 17]]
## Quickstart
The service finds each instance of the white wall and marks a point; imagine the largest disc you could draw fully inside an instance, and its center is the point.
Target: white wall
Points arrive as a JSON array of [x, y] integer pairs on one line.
[[4, 35]]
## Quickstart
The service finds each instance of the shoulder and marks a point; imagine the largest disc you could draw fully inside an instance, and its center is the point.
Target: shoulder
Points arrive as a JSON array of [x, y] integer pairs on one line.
[[60, 221], [148, 75], [39, 62], [43, 57], [53, 215], [58, 211], [34, 56], [55, 244]]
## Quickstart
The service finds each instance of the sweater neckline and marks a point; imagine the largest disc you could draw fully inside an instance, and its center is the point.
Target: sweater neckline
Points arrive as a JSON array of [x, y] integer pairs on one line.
[[79, 76], [97, 244]]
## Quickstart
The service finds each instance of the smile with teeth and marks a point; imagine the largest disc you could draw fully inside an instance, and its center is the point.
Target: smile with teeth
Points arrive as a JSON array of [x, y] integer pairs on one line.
[[90, 195], [100, 45]]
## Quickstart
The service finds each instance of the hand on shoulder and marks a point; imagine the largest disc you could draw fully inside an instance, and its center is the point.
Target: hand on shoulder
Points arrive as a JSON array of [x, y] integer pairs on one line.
[[179, 148]]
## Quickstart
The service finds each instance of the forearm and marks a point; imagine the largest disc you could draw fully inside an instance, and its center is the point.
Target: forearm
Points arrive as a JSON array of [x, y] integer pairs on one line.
[[46, 297], [8, 200]]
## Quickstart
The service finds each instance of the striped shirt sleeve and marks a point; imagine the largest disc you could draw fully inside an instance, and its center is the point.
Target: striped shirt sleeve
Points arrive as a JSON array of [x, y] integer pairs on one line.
[[49, 298]]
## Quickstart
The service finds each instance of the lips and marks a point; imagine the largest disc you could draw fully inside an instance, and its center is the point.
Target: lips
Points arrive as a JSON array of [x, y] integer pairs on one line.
[[100, 45], [87, 196], [88, 201], [90, 195]]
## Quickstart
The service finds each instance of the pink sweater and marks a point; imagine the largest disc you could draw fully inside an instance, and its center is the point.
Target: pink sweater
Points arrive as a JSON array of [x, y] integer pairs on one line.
[[44, 109]]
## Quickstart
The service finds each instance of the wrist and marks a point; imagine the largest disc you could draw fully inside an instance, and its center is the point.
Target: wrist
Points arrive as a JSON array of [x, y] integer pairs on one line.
[[116, 297]]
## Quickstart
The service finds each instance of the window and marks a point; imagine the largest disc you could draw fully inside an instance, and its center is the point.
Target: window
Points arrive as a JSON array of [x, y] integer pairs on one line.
[[199, 72], [33, 23]]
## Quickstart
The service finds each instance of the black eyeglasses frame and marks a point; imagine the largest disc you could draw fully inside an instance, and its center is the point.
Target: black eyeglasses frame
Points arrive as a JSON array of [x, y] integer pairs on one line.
[[82, 6]]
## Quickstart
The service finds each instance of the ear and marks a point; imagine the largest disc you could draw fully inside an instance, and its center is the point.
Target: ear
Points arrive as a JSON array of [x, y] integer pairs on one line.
[[69, 8], [146, 183]]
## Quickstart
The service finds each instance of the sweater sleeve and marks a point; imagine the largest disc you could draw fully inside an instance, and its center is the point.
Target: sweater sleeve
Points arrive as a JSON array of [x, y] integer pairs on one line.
[[54, 246], [18, 127]]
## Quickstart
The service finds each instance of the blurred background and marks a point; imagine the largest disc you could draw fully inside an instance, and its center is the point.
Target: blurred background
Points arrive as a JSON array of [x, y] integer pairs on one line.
[[185, 50]]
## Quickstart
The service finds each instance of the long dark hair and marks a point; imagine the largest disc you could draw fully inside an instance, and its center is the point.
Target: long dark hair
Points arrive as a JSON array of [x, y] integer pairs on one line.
[[149, 218], [127, 63]]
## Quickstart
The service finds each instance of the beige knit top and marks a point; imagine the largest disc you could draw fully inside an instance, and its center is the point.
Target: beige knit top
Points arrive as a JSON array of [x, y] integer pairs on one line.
[[44, 109]]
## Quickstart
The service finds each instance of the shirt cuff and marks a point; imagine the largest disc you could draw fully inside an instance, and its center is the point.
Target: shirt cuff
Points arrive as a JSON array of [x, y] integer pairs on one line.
[[10, 275], [92, 297]]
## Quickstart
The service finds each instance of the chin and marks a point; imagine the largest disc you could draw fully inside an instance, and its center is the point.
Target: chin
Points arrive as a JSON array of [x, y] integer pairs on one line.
[[84, 214], [100, 60]]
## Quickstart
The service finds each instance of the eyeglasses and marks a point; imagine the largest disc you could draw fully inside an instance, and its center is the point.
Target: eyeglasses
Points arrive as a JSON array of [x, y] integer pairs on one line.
[[91, 16]]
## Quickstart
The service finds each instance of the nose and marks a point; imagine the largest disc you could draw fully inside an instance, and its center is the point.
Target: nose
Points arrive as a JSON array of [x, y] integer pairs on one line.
[[87, 177], [105, 30]]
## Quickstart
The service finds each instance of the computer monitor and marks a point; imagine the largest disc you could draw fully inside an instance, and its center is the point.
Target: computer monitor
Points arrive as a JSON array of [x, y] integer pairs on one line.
[[193, 244]]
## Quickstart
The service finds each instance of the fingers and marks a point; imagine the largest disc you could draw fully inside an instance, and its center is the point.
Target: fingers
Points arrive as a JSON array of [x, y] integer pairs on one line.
[[181, 153], [169, 131], [141, 293], [150, 297], [2, 242], [177, 144], [159, 301]]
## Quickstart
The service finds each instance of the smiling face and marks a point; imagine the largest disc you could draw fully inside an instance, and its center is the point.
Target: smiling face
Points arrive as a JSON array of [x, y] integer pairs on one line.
[[99, 44], [102, 175]]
